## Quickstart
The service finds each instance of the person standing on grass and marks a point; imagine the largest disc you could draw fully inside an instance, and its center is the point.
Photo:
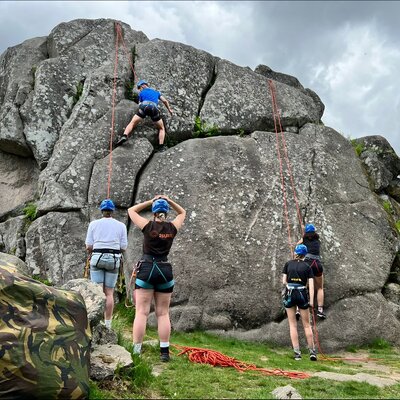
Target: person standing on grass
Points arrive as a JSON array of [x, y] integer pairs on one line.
[[154, 276], [296, 274], [106, 238]]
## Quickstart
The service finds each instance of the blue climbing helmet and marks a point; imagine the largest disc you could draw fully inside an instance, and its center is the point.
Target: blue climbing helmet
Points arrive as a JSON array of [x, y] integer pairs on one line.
[[140, 83], [301, 250], [310, 228], [107, 205], [160, 206]]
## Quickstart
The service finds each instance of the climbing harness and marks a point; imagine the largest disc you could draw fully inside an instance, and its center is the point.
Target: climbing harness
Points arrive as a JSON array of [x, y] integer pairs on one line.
[[155, 267]]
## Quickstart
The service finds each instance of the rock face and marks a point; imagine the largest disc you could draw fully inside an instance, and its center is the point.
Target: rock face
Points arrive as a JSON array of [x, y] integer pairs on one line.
[[55, 138], [381, 161]]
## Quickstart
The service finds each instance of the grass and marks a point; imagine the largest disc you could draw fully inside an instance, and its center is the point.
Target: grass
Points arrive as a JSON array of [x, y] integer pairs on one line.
[[201, 129], [30, 211], [78, 92], [181, 378], [358, 147]]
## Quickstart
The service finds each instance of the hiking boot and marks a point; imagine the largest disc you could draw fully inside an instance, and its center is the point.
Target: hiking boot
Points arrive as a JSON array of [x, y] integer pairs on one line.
[[121, 141], [162, 148], [164, 357], [321, 314], [297, 355], [313, 355]]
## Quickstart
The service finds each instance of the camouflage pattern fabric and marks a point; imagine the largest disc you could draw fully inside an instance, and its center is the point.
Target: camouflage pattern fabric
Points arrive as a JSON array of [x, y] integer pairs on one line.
[[44, 340]]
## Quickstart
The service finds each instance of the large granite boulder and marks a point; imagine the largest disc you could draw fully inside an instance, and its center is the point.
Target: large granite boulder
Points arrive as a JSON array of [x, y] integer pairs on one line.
[[229, 256], [18, 67], [18, 182], [93, 296], [381, 161], [12, 236], [240, 100], [56, 246]]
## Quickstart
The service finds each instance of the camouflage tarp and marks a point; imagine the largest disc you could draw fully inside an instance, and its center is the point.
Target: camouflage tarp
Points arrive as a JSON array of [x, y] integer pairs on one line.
[[44, 340]]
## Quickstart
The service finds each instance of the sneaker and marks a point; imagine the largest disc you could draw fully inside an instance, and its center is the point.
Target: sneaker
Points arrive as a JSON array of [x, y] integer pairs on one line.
[[298, 315], [321, 314], [121, 141], [164, 357], [313, 355], [297, 355]]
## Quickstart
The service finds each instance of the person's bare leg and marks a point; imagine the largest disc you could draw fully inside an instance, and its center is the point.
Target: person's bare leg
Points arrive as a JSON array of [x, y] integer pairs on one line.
[[132, 125], [143, 302], [162, 301], [161, 131]]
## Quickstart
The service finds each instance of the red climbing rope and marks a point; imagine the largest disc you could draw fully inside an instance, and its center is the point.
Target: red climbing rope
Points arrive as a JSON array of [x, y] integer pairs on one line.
[[118, 37], [278, 124], [216, 359], [113, 109]]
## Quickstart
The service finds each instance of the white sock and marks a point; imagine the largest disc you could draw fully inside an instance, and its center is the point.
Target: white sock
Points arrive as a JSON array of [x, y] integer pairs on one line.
[[107, 323], [164, 344], [137, 348]]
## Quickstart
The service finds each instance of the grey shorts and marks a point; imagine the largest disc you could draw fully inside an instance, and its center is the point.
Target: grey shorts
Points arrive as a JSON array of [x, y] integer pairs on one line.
[[104, 268]]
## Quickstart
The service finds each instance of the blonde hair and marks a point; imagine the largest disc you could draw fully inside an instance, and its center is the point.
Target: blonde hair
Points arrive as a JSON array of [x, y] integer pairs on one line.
[[160, 215]]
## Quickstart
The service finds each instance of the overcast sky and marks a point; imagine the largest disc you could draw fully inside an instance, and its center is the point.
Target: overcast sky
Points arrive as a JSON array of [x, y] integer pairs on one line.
[[347, 52]]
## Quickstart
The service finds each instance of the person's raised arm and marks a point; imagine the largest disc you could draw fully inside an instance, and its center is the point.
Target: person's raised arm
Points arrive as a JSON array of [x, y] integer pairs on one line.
[[134, 211], [166, 104], [178, 221]]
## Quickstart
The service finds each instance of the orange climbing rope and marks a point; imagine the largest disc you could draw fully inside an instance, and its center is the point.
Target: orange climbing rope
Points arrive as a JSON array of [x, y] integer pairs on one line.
[[217, 359], [278, 124], [118, 37]]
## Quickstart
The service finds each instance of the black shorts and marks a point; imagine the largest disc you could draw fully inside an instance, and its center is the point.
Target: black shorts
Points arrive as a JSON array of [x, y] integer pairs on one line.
[[315, 265], [296, 297], [158, 277], [149, 109]]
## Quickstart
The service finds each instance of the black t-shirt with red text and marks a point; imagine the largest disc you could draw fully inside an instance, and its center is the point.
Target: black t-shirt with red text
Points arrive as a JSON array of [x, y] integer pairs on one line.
[[158, 238]]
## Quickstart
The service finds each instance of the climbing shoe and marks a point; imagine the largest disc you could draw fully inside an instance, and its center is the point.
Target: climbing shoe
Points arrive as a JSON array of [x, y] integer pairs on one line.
[[164, 357], [321, 314], [313, 355], [121, 141], [297, 355], [162, 148]]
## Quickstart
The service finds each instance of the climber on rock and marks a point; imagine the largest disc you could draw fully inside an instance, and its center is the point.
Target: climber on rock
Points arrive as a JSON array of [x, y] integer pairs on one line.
[[105, 240], [313, 258], [148, 106], [296, 274]]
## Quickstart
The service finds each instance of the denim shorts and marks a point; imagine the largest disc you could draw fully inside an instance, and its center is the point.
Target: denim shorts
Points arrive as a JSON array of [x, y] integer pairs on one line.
[[104, 269]]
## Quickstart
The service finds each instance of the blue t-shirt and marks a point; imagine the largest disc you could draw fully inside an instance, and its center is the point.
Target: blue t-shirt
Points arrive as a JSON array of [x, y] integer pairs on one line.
[[148, 94]]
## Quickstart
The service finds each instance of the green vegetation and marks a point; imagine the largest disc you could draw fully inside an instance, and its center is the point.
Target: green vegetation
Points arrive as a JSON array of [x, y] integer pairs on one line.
[[201, 129], [78, 93], [30, 212], [398, 225], [387, 205], [130, 94], [42, 280], [358, 147], [182, 378]]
